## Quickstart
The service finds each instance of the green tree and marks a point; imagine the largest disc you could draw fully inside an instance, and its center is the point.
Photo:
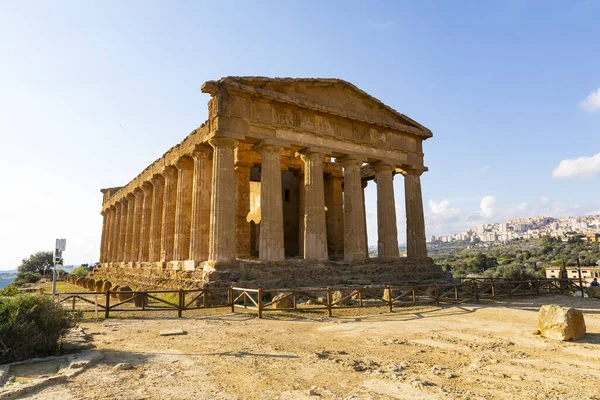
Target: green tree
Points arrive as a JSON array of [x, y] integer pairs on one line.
[[36, 263]]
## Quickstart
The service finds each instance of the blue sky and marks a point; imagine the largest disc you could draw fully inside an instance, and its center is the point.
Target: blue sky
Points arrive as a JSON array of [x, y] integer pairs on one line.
[[92, 92]]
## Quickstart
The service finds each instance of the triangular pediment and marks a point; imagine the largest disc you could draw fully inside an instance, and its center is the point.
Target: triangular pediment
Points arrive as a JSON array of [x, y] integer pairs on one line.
[[334, 95]]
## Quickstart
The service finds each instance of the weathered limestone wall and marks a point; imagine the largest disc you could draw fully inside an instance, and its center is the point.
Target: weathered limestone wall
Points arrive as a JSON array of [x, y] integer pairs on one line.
[[287, 274]]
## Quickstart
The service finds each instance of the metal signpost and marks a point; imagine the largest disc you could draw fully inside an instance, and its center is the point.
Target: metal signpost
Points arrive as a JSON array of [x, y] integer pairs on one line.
[[60, 246]]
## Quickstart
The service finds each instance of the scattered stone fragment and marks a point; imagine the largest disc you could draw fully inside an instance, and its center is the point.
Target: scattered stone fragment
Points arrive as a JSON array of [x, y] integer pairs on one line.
[[123, 366], [283, 300], [172, 332], [537, 332], [561, 323]]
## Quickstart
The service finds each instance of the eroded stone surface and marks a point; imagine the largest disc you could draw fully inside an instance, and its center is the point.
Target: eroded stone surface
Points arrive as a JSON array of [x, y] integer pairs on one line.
[[561, 323], [309, 146]]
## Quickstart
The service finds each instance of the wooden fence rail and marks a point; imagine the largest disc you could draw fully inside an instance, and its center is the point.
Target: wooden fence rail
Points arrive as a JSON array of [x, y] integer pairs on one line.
[[310, 299]]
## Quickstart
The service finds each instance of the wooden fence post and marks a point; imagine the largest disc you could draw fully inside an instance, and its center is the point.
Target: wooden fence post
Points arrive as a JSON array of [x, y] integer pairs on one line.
[[390, 300], [181, 302], [329, 300], [230, 295], [476, 292], [436, 292], [259, 303], [414, 296], [107, 304]]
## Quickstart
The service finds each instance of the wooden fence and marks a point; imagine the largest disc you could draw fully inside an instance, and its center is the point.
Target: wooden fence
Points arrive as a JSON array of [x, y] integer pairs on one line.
[[306, 300]]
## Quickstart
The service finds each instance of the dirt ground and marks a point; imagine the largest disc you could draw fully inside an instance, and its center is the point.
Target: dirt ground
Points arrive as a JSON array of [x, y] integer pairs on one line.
[[475, 351]]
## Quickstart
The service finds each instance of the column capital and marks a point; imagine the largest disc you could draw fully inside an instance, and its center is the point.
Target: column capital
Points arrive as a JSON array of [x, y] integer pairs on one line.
[[243, 166], [157, 178], [119, 203], [124, 200], [184, 162], [130, 196], [381, 166], [147, 187], [201, 150], [349, 161], [138, 191], [268, 146], [170, 172], [112, 207], [222, 141], [413, 171]]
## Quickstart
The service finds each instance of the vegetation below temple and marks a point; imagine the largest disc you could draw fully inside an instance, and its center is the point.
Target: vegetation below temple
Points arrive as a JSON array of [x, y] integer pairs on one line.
[[519, 259]]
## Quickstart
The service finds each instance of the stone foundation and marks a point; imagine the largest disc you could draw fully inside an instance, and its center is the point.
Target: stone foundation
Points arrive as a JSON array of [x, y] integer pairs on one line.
[[271, 275]]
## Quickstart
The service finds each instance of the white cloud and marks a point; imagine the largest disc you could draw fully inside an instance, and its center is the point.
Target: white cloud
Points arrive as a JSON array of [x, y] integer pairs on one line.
[[545, 199], [522, 206], [592, 102], [487, 206], [582, 167]]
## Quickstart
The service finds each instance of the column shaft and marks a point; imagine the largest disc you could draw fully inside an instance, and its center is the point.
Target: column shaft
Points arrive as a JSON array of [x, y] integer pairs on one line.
[[168, 214], [355, 238], [201, 195], [387, 229], [127, 255], [137, 224], [271, 246], [183, 210], [315, 227], [334, 202], [242, 173], [109, 236], [416, 244], [116, 236], [223, 202], [123, 229], [301, 216], [103, 237], [158, 197], [145, 224]]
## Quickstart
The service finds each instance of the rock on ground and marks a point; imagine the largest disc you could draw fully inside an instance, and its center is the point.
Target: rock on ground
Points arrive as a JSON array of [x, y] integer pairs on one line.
[[561, 323]]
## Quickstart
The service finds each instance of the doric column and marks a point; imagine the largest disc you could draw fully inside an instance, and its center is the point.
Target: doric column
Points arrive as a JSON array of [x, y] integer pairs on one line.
[[416, 244], [109, 233], [271, 246], [201, 194], [137, 224], [387, 230], [242, 174], [364, 186], [355, 238], [223, 202], [103, 237], [158, 197], [168, 215], [144, 253], [115, 254], [129, 228], [334, 202], [300, 175], [315, 227], [183, 209], [123, 228]]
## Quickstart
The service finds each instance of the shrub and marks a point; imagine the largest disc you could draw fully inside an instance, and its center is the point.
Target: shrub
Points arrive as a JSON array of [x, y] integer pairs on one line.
[[31, 326], [10, 290], [26, 277], [80, 271]]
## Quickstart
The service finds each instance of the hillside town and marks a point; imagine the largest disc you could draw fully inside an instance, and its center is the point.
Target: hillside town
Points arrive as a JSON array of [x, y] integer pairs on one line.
[[586, 227]]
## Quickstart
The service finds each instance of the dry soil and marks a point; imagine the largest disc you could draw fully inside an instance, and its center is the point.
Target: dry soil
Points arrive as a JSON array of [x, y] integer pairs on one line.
[[475, 351]]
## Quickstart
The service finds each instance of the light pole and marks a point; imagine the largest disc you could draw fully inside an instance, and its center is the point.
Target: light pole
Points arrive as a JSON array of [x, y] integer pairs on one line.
[[60, 246]]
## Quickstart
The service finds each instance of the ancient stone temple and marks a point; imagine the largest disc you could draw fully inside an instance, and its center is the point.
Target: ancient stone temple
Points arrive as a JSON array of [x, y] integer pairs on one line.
[[270, 190]]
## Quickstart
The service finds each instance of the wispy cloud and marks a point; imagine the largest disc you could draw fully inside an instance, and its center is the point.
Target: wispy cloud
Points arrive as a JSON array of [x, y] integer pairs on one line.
[[582, 167], [592, 102], [382, 24]]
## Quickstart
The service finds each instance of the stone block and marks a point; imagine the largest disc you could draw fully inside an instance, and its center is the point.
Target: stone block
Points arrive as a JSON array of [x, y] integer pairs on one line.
[[561, 323], [124, 296], [283, 300], [593, 292], [189, 265]]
